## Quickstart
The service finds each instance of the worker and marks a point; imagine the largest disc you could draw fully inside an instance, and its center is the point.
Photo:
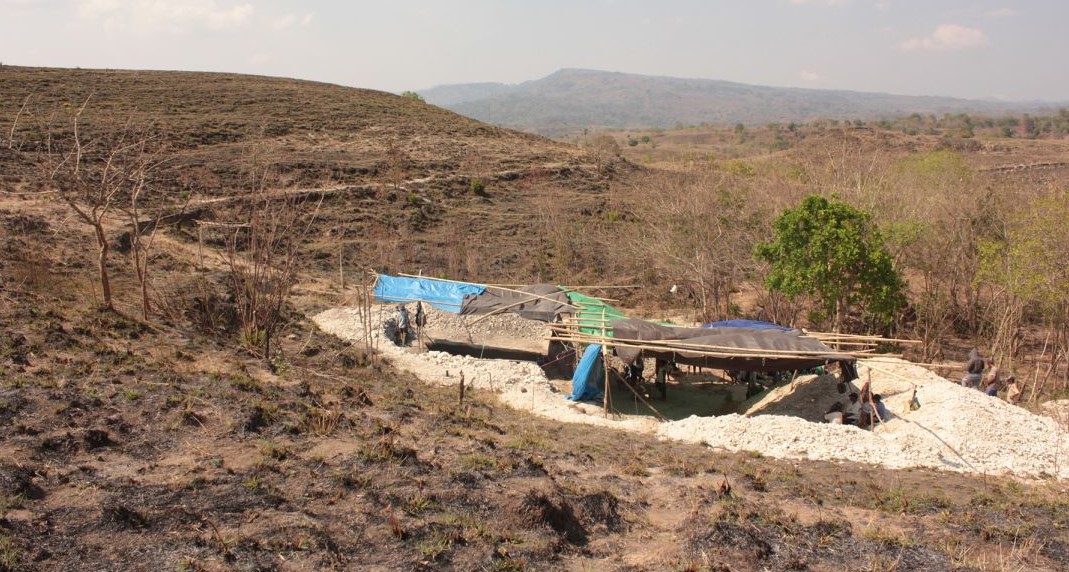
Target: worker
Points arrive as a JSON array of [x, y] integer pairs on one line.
[[633, 373], [879, 410], [421, 320], [991, 386], [404, 325], [664, 367], [1013, 390], [852, 410], [835, 413], [974, 367]]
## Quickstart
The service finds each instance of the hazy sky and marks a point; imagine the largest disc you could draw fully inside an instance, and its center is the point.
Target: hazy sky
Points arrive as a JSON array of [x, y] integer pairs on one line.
[[963, 48]]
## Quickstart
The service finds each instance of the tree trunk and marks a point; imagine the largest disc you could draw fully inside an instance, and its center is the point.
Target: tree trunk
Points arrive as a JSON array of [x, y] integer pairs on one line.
[[267, 351], [102, 263], [840, 316], [143, 277]]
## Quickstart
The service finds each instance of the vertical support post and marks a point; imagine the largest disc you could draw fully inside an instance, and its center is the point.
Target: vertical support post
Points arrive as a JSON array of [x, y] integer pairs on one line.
[[341, 271], [605, 363], [460, 396], [605, 366]]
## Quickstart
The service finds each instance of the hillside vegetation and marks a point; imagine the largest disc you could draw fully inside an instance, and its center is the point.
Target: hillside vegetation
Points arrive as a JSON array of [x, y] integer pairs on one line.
[[204, 423]]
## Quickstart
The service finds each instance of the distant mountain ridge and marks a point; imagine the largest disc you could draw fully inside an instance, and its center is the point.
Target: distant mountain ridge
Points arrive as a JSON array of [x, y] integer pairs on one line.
[[573, 99]]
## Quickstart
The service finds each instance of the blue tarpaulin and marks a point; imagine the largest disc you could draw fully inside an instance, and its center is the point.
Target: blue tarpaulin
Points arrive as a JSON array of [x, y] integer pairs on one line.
[[447, 296], [754, 324], [587, 374]]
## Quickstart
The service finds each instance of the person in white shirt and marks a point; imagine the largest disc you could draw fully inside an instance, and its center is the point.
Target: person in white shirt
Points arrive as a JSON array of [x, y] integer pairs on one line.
[[835, 413]]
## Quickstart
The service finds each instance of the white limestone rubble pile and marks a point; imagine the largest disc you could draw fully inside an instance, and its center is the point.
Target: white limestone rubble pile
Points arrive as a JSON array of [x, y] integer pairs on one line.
[[956, 428]]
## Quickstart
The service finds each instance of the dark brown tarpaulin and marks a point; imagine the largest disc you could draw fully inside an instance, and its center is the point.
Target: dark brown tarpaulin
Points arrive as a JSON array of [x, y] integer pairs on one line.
[[724, 348], [535, 302]]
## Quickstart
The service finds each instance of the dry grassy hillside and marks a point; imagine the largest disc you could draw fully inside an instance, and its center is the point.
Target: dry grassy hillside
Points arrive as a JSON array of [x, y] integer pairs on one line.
[[396, 165], [173, 443]]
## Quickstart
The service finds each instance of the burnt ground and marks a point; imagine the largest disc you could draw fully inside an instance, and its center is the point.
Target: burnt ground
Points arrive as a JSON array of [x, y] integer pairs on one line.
[[167, 444], [138, 448]]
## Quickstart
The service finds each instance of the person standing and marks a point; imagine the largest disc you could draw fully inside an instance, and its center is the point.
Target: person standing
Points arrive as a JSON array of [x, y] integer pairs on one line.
[[421, 321], [991, 386], [974, 368], [1013, 390], [664, 367], [404, 325]]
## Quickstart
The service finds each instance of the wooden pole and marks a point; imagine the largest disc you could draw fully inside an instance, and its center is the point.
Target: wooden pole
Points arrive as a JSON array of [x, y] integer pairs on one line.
[[606, 401], [605, 365], [582, 320], [500, 310], [844, 337], [648, 404], [341, 271], [720, 353], [595, 287], [369, 337], [485, 286], [602, 286], [857, 341], [685, 346], [842, 343]]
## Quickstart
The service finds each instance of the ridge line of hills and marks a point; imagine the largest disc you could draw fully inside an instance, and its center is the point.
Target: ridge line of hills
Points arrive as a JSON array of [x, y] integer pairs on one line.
[[571, 100]]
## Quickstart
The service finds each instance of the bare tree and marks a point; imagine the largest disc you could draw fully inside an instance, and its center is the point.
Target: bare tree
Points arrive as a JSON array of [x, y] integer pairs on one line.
[[603, 150], [94, 175], [15, 122], [262, 256], [696, 231], [395, 167], [142, 234]]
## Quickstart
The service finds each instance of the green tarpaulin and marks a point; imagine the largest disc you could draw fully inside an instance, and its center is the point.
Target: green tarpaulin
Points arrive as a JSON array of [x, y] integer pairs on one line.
[[594, 316]]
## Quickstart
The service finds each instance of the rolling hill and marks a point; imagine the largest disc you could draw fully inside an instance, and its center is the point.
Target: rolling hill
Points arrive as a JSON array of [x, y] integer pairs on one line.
[[398, 167], [573, 99]]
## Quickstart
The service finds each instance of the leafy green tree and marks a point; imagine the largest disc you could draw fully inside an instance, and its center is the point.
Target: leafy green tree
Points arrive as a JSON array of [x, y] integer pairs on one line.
[[413, 95], [833, 252]]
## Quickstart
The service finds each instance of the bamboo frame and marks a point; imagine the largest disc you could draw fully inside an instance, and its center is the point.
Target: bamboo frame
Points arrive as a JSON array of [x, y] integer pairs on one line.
[[568, 330], [855, 340], [684, 346], [834, 337], [603, 287], [710, 353]]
